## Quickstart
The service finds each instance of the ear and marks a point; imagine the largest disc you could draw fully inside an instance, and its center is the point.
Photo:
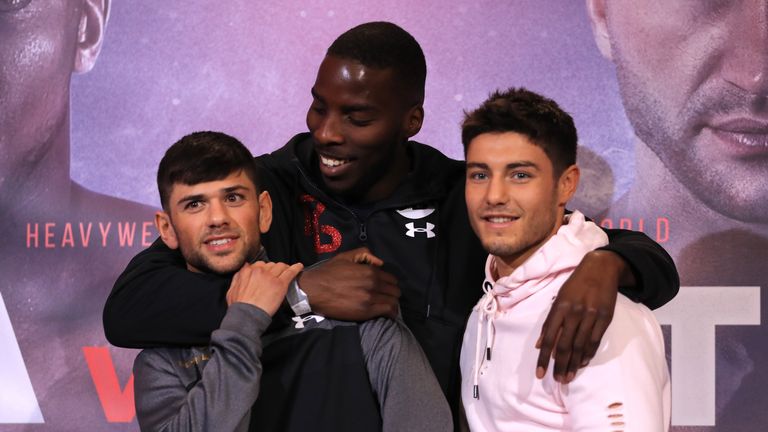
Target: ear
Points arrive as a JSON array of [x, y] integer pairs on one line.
[[265, 212], [567, 184], [596, 9], [165, 228], [413, 120], [90, 33]]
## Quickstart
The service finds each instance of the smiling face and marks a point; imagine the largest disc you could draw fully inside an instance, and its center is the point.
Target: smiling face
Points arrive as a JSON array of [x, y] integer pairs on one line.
[[515, 202], [360, 122], [217, 224], [694, 80]]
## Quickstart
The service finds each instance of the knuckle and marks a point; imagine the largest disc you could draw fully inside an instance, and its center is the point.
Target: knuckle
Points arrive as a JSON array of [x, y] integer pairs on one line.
[[604, 313], [547, 342]]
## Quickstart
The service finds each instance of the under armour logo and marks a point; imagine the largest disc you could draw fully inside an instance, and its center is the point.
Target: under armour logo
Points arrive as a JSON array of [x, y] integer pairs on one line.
[[301, 320], [412, 230]]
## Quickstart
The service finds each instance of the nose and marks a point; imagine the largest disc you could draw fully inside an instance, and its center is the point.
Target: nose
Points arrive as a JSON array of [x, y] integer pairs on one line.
[[218, 214], [746, 55], [496, 194], [328, 130]]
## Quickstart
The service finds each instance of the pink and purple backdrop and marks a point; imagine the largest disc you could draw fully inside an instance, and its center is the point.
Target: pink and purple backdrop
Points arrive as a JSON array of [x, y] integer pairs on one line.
[[246, 68]]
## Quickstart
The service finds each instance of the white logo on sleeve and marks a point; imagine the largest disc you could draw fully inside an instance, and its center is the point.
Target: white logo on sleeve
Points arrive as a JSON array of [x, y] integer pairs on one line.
[[413, 229]]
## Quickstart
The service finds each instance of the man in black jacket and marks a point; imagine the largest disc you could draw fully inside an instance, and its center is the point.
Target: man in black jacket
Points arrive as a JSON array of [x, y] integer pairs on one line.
[[355, 180]]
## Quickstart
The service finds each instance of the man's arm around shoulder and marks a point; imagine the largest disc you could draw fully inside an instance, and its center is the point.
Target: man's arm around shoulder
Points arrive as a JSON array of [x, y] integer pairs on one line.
[[156, 301]]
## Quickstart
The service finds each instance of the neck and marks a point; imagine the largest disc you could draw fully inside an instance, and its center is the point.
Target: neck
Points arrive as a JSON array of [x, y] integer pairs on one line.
[[40, 185], [392, 178]]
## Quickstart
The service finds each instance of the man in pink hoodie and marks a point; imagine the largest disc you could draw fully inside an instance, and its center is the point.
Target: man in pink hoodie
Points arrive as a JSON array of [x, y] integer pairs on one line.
[[521, 171]]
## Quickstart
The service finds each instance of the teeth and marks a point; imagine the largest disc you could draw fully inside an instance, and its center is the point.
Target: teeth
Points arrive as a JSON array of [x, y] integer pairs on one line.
[[499, 219], [331, 162], [219, 242]]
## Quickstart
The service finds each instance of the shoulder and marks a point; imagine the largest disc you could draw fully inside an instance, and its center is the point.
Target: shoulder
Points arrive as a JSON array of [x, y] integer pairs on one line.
[[634, 332], [430, 158]]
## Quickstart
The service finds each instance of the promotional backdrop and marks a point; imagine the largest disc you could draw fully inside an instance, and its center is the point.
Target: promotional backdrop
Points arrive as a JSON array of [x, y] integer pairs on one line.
[[668, 97]]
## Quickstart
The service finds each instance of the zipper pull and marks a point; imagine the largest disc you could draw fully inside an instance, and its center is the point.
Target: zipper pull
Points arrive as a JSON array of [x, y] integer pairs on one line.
[[363, 233]]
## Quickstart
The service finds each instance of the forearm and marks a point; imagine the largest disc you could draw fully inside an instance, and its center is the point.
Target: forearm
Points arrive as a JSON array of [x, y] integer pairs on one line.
[[653, 278], [226, 390], [409, 395], [157, 302]]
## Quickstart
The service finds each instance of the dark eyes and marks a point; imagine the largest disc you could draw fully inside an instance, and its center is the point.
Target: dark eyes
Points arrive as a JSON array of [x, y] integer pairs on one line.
[[354, 118], [478, 176], [234, 197], [358, 121], [231, 199], [193, 205], [520, 176]]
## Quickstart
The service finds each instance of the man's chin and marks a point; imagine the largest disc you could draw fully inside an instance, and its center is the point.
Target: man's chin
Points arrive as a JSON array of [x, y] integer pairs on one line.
[[501, 249], [743, 199], [217, 268]]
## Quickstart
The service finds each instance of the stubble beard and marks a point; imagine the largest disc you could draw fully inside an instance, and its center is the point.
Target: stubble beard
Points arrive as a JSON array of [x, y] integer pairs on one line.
[[672, 138]]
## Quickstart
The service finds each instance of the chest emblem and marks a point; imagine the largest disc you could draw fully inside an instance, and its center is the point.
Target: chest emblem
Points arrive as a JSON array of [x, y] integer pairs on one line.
[[326, 238], [413, 230]]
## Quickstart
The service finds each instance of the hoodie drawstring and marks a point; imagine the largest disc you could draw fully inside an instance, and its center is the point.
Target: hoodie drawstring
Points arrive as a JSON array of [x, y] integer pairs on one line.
[[486, 310]]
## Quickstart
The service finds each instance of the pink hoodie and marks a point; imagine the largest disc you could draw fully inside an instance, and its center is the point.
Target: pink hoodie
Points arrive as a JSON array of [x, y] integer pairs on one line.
[[624, 388]]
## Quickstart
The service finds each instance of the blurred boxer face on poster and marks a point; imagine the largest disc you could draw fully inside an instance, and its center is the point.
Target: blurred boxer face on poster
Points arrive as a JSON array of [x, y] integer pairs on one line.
[[360, 121], [43, 42], [693, 77], [217, 225]]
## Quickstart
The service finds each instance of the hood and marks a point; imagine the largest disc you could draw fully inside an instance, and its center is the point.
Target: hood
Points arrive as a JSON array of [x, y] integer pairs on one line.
[[561, 253]]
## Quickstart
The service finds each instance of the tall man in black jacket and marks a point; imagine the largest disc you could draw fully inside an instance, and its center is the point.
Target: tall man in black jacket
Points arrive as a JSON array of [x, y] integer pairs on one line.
[[355, 180]]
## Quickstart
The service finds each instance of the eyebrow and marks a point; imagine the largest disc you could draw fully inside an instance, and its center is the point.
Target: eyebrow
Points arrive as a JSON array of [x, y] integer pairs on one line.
[[346, 108], [198, 197], [510, 166]]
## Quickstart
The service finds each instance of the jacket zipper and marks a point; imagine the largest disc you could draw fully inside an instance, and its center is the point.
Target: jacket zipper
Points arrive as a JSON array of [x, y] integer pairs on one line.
[[363, 233]]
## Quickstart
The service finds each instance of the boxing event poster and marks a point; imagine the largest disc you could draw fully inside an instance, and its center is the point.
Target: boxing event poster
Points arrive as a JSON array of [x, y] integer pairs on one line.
[[669, 99]]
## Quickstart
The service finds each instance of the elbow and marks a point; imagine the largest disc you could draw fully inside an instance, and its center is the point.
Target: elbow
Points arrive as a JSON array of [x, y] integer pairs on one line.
[[114, 329]]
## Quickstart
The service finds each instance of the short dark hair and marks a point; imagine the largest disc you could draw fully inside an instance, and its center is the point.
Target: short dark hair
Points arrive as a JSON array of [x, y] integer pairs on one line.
[[384, 45], [202, 157], [528, 113]]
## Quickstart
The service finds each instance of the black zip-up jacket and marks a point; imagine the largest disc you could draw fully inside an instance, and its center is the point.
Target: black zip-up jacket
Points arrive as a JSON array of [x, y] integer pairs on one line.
[[421, 232]]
